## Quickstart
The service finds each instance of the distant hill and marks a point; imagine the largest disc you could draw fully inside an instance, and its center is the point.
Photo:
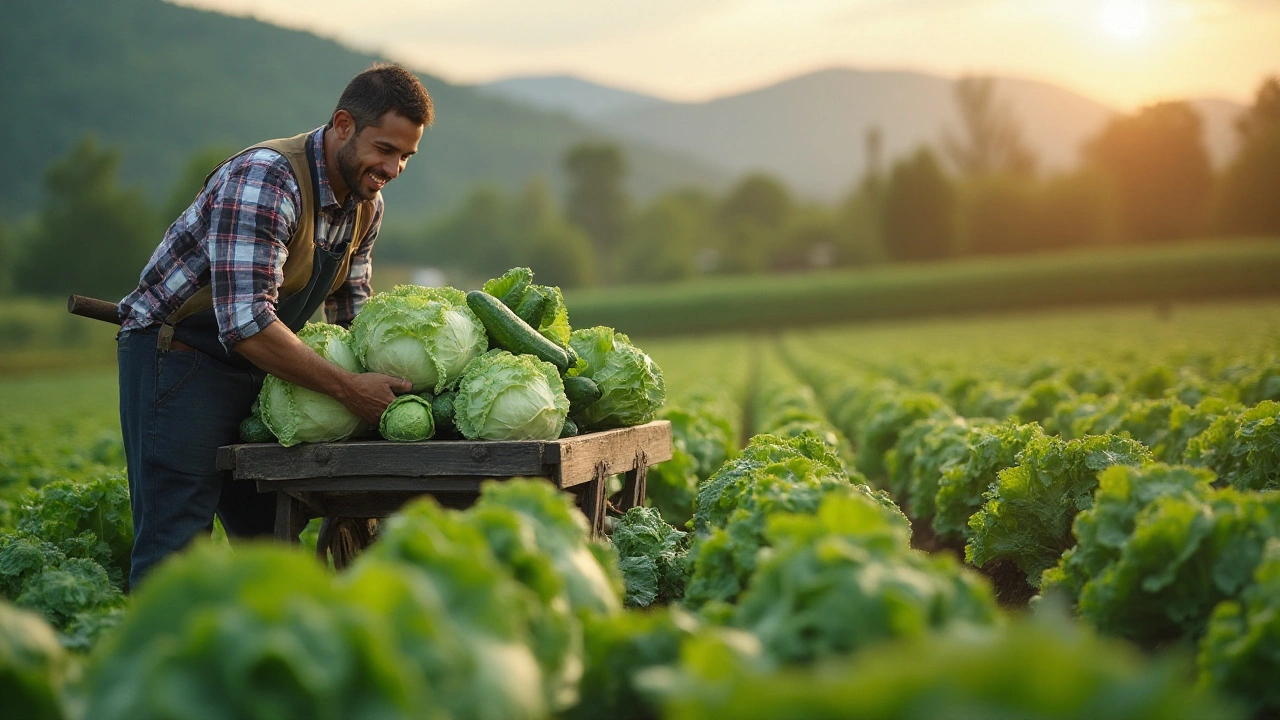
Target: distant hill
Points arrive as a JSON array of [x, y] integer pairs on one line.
[[578, 98], [809, 130], [162, 81]]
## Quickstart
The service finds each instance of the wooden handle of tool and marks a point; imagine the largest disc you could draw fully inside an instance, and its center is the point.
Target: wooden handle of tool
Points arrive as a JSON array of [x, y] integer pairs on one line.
[[93, 308]]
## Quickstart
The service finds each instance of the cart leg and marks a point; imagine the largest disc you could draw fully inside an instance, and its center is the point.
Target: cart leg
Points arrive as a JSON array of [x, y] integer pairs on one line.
[[633, 488], [591, 500], [344, 538], [291, 517]]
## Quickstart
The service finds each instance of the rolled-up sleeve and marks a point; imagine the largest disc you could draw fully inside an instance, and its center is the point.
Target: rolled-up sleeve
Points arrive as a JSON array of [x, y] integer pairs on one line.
[[341, 307], [254, 213]]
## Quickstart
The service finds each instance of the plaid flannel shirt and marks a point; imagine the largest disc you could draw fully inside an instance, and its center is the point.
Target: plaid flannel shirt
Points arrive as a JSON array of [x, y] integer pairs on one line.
[[235, 235]]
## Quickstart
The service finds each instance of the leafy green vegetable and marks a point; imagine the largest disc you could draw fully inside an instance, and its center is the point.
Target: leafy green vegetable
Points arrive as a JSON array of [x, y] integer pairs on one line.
[[720, 495], [846, 577], [89, 519], [507, 644], [33, 667], [631, 384], [1244, 450], [1240, 652], [886, 419], [555, 631], [1103, 530], [295, 414], [701, 440], [423, 335], [561, 531], [619, 650], [1028, 513], [961, 487], [651, 556], [510, 397], [407, 419], [262, 634], [543, 304], [724, 559], [1025, 670], [924, 451], [1184, 556]]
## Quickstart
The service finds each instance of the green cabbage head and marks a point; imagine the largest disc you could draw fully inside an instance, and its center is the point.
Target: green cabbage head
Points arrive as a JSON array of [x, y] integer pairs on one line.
[[631, 384], [407, 419], [423, 335], [510, 397], [295, 414]]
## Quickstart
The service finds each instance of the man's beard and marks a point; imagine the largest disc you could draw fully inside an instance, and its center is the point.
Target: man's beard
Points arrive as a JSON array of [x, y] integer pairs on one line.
[[349, 170]]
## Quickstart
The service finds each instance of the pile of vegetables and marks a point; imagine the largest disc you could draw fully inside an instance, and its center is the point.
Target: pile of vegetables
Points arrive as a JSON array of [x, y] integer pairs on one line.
[[500, 363]]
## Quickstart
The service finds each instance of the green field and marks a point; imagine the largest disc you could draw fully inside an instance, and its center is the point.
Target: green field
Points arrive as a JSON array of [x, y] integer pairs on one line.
[[906, 487], [1193, 271]]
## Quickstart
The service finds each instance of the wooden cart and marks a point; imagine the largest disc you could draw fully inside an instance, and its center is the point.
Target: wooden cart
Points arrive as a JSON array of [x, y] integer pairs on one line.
[[351, 484]]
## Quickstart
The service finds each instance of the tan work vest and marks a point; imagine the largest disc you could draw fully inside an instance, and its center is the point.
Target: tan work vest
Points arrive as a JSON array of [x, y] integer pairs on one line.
[[301, 247]]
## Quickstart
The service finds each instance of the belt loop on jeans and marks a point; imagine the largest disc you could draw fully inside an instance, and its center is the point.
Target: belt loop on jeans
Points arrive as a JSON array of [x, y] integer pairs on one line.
[[164, 341]]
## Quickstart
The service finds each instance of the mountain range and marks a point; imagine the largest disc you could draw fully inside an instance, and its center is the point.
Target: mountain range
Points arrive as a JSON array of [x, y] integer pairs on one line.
[[162, 82], [810, 130]]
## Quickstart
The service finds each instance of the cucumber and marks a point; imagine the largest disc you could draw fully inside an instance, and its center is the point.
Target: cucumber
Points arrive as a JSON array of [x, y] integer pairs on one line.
[[511, 333], [442, 412], [570, 428], [253, 430], [581, 391]]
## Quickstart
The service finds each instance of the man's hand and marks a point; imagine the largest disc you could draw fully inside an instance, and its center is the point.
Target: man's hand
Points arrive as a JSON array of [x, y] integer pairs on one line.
[[368, 394], [278, 351]]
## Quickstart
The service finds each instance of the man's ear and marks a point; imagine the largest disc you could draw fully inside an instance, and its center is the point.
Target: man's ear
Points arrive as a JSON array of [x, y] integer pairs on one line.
[[344, 125]]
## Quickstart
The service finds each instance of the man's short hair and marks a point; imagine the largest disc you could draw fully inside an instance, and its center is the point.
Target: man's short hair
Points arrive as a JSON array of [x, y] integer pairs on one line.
[[383, 88]]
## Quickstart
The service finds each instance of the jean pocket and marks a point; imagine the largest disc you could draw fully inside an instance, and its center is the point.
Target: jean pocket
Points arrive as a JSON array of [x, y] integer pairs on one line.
[[173, 370]]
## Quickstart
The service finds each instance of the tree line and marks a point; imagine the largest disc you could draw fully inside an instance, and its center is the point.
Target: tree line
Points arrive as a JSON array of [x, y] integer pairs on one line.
[[1143, 178]]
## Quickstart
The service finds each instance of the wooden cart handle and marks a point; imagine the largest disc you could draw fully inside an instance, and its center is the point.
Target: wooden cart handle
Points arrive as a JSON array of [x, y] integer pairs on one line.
[[93, 308]]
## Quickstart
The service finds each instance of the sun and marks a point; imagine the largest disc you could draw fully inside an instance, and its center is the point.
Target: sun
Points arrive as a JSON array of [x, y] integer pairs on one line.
[[1125, 19]]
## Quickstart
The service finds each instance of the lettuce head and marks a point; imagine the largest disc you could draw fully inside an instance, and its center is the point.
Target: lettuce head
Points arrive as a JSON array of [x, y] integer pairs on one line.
[[631, 384], [510, 397], [424, 335], [295, 414]]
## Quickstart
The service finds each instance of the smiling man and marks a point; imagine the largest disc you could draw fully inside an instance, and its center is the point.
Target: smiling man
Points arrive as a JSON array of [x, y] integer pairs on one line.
[[278, 231]]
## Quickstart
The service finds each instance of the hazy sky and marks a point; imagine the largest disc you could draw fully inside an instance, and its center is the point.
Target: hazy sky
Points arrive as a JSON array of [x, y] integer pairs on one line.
[[1123, 52]]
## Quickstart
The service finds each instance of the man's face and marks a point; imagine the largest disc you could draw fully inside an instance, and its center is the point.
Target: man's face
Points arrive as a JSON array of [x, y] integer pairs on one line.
[[370, 159]]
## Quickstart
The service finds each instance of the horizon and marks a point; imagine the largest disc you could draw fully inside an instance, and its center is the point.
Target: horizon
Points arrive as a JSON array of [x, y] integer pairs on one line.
[[1122, 53]]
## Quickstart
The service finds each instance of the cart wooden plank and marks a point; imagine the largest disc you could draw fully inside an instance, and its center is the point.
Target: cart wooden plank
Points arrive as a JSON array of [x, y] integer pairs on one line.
[[268, 461], [569, 461], [613, 451]]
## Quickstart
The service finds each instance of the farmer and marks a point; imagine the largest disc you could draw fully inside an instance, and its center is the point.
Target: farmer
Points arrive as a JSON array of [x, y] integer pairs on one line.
[[278, 231]]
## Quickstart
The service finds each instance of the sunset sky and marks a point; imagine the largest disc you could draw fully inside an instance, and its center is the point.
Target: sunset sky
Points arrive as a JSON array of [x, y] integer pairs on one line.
[[1122, 52]]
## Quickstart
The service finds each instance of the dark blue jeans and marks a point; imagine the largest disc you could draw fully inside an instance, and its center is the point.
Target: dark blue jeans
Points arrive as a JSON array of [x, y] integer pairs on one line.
[[176, 409]]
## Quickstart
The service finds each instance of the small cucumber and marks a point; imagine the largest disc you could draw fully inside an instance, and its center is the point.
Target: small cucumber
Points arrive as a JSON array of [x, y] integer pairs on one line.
[[442, 412], [253, 430], [511, 333], [581, 391], [570, 428]]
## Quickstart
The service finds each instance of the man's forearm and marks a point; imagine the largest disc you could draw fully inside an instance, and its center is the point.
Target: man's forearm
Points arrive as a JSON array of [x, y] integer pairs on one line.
[[276, 350]]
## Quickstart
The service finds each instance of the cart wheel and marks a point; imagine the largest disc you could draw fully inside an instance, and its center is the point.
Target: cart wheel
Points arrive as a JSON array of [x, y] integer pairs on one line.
[[343, 538]]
